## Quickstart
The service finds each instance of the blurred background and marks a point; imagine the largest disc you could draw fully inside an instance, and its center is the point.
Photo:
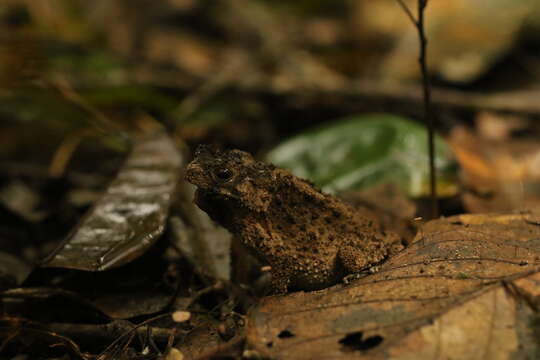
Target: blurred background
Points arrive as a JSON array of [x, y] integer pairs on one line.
[[329, 89]]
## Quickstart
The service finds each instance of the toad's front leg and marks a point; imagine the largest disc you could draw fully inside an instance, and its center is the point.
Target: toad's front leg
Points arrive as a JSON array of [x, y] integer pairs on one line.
[[356, 258], [281, 279]]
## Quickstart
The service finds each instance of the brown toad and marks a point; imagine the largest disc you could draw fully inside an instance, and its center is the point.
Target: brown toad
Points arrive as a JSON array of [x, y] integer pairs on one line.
[[310, 239]]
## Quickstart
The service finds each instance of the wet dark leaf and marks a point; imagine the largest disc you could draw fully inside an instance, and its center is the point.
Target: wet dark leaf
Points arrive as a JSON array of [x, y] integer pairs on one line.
[[50, 304], [130, 216]]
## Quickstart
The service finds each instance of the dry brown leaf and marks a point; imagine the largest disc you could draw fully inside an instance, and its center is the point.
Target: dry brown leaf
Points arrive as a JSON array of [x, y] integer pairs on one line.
[[454, 293], [502, 174]]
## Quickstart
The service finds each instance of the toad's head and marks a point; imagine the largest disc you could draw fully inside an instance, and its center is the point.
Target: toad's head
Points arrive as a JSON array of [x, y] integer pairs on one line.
[[230, 176]]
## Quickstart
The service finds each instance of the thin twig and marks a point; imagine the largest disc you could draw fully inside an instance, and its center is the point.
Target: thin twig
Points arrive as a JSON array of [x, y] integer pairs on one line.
[[428, 111], [131, 332], [426, 88], [408, 12], [65, 151]]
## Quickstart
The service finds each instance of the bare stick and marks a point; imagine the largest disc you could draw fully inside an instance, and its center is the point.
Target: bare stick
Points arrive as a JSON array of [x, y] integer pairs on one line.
[[407, 11], [428, 111], [426, 87]]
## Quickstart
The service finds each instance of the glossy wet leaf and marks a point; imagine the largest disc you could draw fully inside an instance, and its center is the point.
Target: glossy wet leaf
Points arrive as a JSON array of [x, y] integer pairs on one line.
[[361, 151], [464, 289], [131, 214]]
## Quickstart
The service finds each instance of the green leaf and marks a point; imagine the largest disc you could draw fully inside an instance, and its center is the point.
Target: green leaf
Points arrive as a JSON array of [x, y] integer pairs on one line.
[[364, 150]]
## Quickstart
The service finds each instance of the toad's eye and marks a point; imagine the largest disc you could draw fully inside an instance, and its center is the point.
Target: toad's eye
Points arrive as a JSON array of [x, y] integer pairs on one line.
[[223, 174]]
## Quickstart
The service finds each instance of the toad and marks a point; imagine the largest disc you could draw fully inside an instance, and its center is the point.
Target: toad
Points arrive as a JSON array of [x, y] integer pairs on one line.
[[310, 239]]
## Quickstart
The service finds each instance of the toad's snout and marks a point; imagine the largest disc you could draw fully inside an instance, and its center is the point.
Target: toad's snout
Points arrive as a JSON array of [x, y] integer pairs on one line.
[[195, 174]]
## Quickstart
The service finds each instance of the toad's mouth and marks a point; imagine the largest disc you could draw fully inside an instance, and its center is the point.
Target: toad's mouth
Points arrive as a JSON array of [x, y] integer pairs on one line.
[[219, 207], [216, 198]]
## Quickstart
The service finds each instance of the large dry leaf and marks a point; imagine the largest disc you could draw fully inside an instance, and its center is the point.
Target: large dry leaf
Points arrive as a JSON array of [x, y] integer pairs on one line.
[[132, 213], [456, 292]]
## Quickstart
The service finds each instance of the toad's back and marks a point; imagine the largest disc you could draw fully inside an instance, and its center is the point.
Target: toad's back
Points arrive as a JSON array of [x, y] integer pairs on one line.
[[309, 239]]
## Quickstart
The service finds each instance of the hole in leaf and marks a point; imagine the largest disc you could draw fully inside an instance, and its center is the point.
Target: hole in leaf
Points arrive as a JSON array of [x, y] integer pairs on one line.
[[270, 344], [355, 342], [285, 334]]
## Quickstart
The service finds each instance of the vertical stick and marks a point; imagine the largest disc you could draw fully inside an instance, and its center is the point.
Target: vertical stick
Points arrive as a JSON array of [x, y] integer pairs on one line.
[[428, 111], [426, 86]]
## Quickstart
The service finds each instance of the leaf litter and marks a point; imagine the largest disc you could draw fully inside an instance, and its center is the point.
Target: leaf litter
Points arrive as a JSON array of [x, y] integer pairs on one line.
[[446, 291], [467, 275], [480, 310], [455, 266]]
